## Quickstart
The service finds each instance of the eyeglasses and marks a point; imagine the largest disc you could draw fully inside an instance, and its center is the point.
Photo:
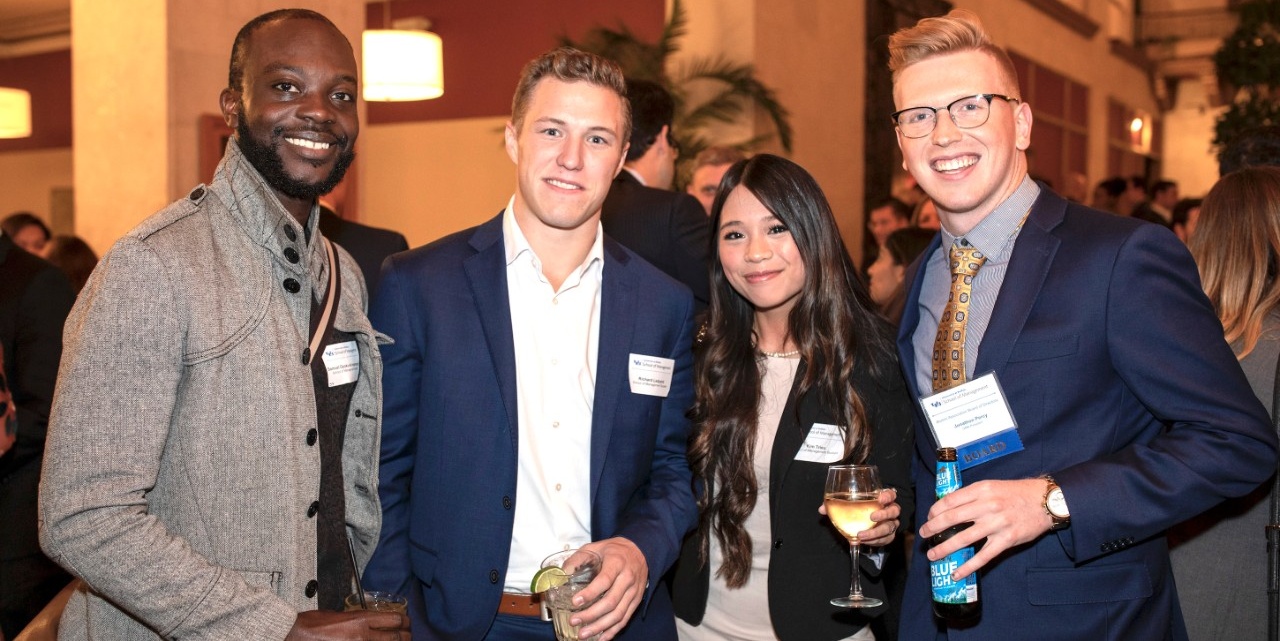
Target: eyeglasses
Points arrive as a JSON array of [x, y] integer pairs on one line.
[[966, 113]]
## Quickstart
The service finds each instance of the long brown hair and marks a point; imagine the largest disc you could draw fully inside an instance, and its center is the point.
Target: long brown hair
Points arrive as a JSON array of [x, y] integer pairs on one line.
[[833, 325], [1237, 246]]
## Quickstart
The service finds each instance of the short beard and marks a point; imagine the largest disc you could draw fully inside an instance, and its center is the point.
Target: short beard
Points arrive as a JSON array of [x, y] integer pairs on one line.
[[266, 159]]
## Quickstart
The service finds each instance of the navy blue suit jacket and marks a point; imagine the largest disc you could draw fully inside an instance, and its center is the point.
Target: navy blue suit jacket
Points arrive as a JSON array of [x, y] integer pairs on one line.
[[1115, 368], [449, 453]]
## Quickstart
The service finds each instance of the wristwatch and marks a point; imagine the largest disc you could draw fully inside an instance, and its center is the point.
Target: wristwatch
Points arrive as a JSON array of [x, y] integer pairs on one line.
[[1055, 505]]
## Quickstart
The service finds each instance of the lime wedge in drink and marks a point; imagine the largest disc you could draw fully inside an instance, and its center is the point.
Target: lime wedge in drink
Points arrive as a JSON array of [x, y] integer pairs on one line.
[[548, 578]]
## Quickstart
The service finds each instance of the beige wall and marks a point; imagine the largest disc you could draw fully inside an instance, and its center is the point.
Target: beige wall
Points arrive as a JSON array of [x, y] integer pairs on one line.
[[29, 178], [1189, 159], [427, 180], [812, 53], [717, 28]]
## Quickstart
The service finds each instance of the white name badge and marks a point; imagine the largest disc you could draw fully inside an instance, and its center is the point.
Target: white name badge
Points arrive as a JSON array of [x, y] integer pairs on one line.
[[975, 419], [342, 360], [650, 375], [824, 444]]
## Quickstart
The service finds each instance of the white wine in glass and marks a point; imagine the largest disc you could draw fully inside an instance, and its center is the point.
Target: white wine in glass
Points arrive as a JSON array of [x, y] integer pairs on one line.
[[852, 494]]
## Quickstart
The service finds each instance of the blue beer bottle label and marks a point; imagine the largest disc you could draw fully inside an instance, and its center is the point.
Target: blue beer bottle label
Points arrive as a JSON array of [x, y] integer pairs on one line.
[[946, 590]]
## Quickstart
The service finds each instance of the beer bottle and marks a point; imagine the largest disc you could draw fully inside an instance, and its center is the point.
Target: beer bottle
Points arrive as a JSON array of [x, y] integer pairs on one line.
[[953, 601]]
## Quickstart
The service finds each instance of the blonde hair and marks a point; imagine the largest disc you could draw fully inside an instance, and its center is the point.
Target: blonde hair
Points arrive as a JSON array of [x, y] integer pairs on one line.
[[1236, 246], [955, 32]]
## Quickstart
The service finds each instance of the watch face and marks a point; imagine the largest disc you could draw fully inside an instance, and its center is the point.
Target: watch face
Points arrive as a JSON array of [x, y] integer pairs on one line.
[[1057, 504]]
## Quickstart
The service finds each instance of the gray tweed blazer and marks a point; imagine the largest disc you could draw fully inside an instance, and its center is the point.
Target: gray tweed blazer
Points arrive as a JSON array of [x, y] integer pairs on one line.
[[178, 470]]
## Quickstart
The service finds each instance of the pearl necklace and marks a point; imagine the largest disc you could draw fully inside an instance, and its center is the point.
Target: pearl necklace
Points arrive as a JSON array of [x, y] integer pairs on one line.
[[794, 352]]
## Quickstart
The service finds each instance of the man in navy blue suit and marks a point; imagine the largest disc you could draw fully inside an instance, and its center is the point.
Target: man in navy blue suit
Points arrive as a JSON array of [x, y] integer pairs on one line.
[[1129, 411], [536, 390]]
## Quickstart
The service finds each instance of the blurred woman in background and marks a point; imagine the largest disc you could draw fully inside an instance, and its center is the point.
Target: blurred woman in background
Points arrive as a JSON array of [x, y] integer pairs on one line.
[[886, 274], [27, 231], [74, 257], [1219, 558]]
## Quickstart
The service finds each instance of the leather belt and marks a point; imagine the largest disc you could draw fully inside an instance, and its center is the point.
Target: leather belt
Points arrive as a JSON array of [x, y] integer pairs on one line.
[[525, 605]]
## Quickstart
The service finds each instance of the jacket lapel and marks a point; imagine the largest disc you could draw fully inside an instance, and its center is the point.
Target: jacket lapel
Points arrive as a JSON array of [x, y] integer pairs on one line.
[[1028, 266], [617, 323], [487, 275], [792, 430]]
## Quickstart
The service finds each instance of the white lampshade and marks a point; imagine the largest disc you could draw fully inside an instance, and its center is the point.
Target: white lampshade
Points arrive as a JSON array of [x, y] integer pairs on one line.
[[402, 65], [15, 113]]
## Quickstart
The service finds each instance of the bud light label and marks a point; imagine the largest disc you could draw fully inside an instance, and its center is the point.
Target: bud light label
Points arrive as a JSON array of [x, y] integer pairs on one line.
[[955, 592]]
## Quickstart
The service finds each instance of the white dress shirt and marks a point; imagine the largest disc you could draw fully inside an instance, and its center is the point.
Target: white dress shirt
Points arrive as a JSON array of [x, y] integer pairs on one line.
[[556, 337]]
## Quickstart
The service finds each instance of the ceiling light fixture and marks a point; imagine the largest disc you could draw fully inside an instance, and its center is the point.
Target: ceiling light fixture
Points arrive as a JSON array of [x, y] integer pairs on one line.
[[403, 62]]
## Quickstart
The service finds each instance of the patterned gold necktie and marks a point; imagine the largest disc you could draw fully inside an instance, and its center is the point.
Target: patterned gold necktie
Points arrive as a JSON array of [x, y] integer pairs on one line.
[[948, 346]]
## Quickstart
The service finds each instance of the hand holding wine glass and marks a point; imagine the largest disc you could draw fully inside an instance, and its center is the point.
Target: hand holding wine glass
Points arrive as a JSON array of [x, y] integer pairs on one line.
[[851, 496]]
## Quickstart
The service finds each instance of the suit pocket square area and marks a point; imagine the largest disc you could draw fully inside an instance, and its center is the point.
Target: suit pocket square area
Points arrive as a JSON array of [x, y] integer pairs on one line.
[[1042, 350]]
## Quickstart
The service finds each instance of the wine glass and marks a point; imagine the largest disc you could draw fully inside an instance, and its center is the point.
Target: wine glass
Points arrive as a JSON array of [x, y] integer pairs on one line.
[[852, 494]]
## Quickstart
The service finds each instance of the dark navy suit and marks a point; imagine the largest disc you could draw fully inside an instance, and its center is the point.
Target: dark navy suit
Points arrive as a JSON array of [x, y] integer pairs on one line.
[[1116, 372], [449, 453], [669, 229]]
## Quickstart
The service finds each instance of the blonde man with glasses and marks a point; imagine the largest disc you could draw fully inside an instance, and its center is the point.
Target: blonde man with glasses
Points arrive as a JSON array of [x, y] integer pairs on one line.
[[1127, 412]]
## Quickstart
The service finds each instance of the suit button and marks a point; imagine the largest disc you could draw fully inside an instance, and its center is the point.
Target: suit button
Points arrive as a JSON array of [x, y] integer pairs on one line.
[[289, 233], [312, 434], [777, 545], [312, 586], [197, 194], [359, 414], [306, 356], [493, 576], [291, 255], [506, 502], [311, 511], [292, 286]]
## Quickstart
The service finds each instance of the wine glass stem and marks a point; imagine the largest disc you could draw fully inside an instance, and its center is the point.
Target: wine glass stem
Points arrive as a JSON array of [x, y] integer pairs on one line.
[[855, 584]]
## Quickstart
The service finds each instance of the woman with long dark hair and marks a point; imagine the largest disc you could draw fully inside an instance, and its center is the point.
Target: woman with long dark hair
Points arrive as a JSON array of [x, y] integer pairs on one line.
[[795, 372]]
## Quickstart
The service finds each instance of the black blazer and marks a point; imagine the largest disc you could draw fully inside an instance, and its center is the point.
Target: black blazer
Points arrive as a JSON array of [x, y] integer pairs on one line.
[[666, 228], [35, 298], [368, 245], [809, 564]]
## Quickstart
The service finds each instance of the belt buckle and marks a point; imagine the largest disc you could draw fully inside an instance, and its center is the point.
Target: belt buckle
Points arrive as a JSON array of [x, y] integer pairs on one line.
[[546, 611]]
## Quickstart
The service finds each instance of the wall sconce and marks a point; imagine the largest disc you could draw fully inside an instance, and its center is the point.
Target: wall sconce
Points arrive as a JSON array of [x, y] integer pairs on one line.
[[405, 62], [15, 113], [1140, 127]]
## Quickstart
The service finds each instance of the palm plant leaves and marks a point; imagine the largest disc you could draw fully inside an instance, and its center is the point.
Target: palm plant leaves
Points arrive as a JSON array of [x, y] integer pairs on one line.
[[736, 87]]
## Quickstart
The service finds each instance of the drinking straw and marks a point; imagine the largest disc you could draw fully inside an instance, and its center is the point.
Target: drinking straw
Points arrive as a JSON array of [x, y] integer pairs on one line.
[[355, 569]]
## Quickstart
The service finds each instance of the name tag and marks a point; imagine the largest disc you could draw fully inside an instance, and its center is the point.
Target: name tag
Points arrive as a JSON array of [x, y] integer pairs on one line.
[[650, 375], [824, 444], [975, 419], [342, 361]]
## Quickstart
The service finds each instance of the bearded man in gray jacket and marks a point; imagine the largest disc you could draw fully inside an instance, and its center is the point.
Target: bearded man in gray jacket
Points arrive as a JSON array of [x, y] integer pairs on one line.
[[215, 430]]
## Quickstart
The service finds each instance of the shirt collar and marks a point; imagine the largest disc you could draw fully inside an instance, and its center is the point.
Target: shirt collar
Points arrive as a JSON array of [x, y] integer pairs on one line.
[[994, 236], [515, 243]]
